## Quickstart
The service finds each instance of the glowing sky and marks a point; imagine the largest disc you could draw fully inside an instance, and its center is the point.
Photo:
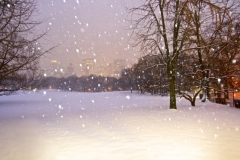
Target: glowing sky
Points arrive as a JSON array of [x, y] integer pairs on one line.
[[86, 29]]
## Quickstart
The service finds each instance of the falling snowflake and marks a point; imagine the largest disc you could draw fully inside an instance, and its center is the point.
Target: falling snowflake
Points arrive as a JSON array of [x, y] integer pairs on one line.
[[60, 107]]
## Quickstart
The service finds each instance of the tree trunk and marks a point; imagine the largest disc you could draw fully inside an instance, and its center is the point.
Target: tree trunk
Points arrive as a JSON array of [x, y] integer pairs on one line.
[[193, 103], [173, 104], [226, 92], [194, 98]]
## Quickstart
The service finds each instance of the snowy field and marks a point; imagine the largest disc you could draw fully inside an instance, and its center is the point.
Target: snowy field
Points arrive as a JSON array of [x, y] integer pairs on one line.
[[57, 125]]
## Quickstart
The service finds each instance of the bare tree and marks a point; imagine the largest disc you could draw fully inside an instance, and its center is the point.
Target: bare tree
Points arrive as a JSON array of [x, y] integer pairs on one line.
[[160, 27], [19, 45], [168, 28], [212, 35]]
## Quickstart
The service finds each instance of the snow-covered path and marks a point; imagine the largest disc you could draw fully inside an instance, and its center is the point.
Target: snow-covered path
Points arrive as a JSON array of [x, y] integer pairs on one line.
[[52, 125]]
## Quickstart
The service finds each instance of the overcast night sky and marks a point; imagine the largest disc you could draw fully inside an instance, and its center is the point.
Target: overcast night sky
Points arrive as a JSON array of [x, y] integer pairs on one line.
[[86, 29]]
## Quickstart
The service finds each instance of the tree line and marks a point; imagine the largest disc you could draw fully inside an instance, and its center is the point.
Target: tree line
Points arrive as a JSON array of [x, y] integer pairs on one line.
[[90, 83], [148, 75]]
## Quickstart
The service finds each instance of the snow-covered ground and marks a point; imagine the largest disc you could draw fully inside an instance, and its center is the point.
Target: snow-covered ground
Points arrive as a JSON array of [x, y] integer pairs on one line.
[[57, 125]]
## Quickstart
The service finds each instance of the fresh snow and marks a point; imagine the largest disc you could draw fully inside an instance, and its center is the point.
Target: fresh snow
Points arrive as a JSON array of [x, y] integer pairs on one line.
[[58, 125]]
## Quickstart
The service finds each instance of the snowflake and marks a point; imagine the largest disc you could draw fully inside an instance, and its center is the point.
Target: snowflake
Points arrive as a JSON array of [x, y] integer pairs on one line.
[[60, 107]]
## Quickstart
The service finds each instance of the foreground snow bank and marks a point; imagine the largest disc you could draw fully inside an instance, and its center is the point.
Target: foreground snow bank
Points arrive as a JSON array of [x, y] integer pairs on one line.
[[57, 125]]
